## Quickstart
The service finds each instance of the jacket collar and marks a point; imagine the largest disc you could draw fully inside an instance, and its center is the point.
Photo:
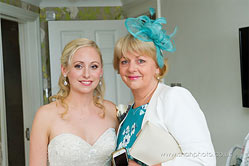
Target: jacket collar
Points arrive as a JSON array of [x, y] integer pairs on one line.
[[153, 102]]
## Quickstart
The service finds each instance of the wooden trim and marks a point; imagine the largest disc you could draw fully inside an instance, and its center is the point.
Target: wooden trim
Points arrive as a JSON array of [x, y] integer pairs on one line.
[[21, 14], [4, 148], [89, 3]]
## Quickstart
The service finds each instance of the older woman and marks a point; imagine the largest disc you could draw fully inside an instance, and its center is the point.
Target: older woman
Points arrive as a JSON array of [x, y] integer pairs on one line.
[[78, 128], [139, 61]]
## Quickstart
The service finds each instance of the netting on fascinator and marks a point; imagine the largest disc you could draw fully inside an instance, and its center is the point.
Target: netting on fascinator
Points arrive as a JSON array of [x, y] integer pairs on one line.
[[149, 30]]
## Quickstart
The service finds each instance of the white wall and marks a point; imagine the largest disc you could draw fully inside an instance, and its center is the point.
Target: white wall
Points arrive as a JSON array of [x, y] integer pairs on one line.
[[138, 7], [207, 63]]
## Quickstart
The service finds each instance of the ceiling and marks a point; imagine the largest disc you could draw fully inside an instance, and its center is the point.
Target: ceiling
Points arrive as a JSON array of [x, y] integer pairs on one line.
[[73, 3]]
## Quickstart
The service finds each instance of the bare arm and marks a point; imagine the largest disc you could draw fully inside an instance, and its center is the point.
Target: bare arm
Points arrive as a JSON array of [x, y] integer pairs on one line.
[[39, 139], [111, 108]]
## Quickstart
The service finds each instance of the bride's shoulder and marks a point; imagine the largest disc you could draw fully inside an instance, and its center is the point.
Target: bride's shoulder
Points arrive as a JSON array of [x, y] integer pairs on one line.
[[109, 105], [47, 111], [110, 111], [48, 108]]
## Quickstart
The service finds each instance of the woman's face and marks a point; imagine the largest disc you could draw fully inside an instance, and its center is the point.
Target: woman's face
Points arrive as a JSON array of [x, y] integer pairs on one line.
[[138, 71], [85, 70]]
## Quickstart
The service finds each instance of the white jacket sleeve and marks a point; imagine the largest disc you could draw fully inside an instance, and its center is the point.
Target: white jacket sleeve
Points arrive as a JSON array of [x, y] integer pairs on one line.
[[186, 122]]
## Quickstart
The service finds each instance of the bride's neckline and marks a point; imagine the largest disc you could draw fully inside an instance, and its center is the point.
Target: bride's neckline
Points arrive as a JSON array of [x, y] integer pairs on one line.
[[80, 138]]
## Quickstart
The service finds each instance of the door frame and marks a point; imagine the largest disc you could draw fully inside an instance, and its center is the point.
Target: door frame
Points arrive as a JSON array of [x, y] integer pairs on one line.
[[31, 71]]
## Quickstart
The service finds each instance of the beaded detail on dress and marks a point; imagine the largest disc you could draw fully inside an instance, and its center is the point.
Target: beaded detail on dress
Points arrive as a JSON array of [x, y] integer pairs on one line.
[[71, 150]]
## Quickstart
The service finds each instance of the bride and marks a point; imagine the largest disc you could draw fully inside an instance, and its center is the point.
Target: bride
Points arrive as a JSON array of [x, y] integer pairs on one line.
[[78, 127]]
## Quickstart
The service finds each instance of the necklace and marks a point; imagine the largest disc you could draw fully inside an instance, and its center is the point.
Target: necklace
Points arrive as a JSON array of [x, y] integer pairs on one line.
[[147, 97], [138, 108], [135, 110]]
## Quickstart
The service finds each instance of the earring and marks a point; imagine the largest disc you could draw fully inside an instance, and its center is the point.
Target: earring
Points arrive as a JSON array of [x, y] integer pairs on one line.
[[65, 80], [100, 82], [157, 77]]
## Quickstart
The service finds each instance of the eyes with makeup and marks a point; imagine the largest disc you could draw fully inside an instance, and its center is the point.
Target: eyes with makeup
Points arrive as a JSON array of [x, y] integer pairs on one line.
[[93, 66], [125, 61]]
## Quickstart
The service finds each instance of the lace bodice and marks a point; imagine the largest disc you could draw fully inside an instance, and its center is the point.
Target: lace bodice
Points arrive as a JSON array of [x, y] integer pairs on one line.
[[71, 150]]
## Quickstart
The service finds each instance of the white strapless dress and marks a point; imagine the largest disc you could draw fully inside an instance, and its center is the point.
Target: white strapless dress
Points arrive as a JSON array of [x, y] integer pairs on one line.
[[71, 150]]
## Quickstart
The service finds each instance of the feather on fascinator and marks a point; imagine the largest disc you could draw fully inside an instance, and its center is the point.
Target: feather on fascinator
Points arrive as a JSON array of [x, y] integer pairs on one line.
[[149, 30]]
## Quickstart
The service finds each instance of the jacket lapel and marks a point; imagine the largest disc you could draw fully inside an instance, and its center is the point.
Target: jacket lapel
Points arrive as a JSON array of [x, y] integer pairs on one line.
[[153, 103]]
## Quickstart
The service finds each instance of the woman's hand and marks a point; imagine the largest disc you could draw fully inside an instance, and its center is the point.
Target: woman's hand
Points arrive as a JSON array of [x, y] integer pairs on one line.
[[132, 163]]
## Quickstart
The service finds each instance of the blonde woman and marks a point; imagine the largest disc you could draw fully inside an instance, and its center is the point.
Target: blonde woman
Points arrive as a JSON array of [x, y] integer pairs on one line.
[[141, 65], [78, 127]]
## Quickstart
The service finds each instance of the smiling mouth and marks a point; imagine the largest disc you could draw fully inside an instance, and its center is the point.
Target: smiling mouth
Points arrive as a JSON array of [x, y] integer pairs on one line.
[[133, 77], [86, 83]]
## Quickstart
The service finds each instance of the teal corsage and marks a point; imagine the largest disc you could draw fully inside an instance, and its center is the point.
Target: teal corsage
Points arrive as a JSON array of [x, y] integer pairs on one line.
[[149, 30]]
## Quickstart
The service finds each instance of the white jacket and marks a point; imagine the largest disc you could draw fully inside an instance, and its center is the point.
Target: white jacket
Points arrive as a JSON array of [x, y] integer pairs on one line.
[[176, 110]]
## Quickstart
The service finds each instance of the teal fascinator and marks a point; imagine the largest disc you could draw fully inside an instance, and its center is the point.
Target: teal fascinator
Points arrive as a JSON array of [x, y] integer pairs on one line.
[[149, 30]]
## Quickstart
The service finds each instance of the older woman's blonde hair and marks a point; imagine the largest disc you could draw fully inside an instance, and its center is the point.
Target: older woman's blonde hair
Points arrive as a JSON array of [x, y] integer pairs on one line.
[[130, 44], [67, 54]]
